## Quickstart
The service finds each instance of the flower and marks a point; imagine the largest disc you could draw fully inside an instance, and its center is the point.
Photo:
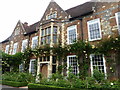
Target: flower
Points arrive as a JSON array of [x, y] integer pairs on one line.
[[93, 46], [111, 83]]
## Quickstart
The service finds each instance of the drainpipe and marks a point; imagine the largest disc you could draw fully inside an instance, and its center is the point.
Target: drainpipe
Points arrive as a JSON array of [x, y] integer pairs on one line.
[[81, 26]]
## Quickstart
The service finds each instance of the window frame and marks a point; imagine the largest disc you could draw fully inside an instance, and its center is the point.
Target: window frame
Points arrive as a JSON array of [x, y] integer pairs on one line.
[[68, 64], [68, 29], [30, 66], [15, 48], [24, 42], [117, 21], [34, 38], [93, 22], [104, 64], [7, 49]]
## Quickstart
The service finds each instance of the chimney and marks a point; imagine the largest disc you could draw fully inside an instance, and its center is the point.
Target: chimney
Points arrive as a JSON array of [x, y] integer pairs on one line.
[[25, 24]]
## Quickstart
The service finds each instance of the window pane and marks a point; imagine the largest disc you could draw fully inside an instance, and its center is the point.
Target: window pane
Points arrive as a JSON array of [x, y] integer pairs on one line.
[[94, 29], [71, 34]]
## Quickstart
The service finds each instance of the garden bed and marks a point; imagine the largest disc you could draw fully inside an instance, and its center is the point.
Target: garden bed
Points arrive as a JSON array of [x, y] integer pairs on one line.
[[32, 85], [14, 84]]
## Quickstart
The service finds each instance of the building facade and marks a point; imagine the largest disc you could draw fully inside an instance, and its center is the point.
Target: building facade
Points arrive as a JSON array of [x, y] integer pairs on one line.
[[91, 21]]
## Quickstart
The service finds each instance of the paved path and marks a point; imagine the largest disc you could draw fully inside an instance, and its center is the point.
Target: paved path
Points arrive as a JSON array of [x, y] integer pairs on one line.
[[4, 87]]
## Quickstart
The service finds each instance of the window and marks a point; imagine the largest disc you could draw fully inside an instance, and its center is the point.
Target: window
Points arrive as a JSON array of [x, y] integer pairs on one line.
[[32, 67], [118, 20], [24, 44], [15, 48], [54, 38], [21, 67], [52, 15], [72, 34], [94, 31], [98, 61], [48, 39], [72, 64], [54, 30], [34, 41], [43, 41], [42, 32], [7, 49], [17, 31], [49, 30]]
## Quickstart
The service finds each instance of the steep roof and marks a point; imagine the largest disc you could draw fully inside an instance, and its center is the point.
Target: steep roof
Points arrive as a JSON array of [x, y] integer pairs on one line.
[[32, 28], [80, 10]]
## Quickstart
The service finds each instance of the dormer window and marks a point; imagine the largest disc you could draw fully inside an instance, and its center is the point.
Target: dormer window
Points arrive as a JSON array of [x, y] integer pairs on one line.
[[52, 15]]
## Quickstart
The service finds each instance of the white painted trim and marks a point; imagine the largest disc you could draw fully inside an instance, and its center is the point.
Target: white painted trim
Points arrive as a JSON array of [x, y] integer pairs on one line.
[[34, 38], [116, 15], [92, 22], [7, 49], [30, 64], [68, 63], [24, 41], [104, 63], [68, 29], [15, 44]]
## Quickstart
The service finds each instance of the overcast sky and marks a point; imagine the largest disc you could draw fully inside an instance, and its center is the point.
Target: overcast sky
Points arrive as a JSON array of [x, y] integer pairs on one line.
[[29, 11]]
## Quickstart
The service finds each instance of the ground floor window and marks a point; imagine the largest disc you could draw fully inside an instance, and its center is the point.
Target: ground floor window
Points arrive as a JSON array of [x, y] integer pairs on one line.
[[21, 67], [72, 64], [98, 61], [32, 66]]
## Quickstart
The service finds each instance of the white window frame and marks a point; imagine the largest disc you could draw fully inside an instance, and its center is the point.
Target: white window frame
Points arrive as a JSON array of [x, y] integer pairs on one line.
[[33, 44], [71, 28], [15, 46], [24, 43], [104, 64], [93, 22], [7, 49], [116, 15], [30, 66], [68, 63]]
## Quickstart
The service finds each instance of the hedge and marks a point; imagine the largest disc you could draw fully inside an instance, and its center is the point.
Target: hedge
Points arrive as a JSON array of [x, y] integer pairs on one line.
[[14, 84], [46, 87]]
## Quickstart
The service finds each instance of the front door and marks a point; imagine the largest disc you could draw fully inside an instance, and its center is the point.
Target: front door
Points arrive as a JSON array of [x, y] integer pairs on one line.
[[44, 70]]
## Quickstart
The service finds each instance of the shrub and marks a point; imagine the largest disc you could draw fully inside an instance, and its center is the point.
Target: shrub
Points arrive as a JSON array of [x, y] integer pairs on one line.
[[18, 77], [14, 84], [99, 76]]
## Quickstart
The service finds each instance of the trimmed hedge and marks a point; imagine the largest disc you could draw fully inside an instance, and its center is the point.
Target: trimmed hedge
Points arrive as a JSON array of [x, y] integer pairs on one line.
[[14, 84], [34, 86]]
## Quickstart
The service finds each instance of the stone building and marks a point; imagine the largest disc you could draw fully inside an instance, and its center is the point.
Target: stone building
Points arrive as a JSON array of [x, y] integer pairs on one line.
[[91, 21]]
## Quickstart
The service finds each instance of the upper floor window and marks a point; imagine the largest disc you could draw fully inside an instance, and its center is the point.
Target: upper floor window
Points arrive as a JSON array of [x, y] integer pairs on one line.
[[34, 41], [94, 30], [7, 49], [118, 20], [52, 15], [17, 31], [24, 44], [15, 48], [55, 30], [71, 34], [42, 32]]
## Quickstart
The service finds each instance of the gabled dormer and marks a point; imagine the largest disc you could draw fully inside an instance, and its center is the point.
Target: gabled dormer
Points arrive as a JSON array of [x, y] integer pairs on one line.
[[54, 12], [19, 29]]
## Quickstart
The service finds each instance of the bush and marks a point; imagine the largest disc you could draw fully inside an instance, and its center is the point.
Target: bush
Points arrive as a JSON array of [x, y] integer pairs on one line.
[[18, 77], [14, 84], [99, 76]]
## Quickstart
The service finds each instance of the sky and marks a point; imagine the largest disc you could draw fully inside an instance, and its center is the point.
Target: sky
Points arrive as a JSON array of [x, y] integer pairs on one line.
[[31, 11]]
